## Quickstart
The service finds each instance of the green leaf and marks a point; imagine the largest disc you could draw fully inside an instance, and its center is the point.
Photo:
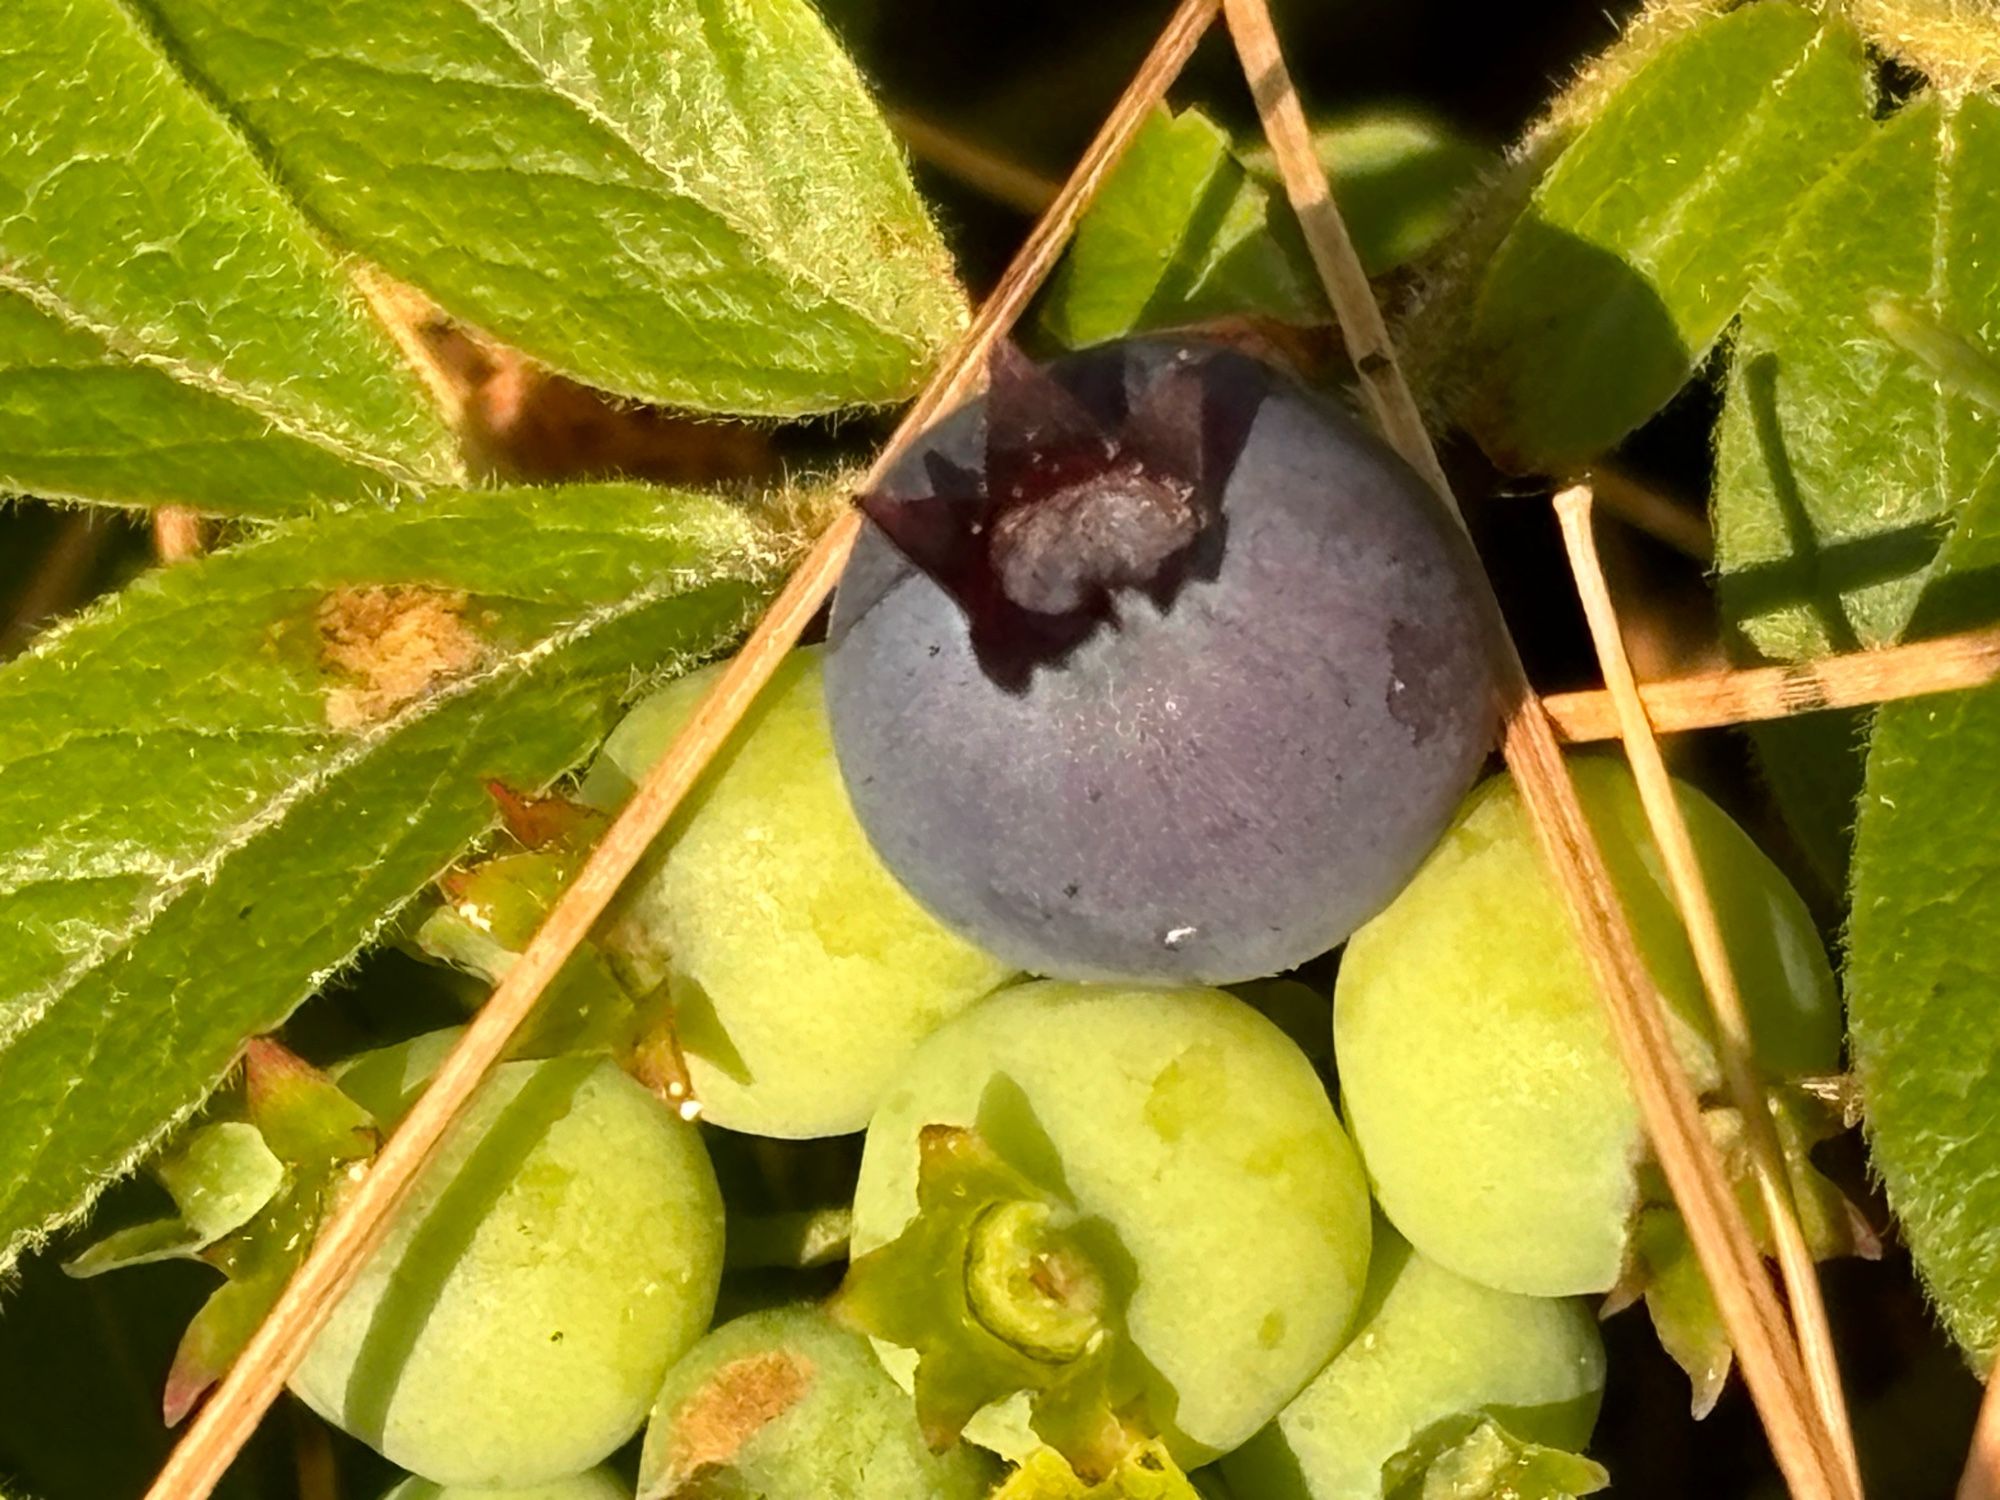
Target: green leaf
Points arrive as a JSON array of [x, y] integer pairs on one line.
[[1399, 178], [1953, 45], [1639, 245], [220, 1177], [1923, 985], [222, 782], [689, 201], [1180, 233], [171, 331], [1843, 454], [1891, 440]]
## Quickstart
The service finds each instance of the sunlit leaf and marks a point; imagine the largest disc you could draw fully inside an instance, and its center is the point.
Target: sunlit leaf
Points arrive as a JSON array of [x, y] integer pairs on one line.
[[171, 330], [690, 201], [1638, 246], [1844, 452], [220, 784], [1181, 232]]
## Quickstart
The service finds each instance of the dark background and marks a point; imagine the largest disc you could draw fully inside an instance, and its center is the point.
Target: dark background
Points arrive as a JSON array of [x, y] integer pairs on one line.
[[1029, 82]]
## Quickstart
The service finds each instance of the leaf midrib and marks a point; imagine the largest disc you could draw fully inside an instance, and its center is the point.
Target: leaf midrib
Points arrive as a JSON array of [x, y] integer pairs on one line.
[[1674, 212], [756, 238], [120, 347]]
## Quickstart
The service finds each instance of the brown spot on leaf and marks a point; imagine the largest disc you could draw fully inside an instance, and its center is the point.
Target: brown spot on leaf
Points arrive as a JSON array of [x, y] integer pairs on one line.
[[737, 1403], [386, 647]]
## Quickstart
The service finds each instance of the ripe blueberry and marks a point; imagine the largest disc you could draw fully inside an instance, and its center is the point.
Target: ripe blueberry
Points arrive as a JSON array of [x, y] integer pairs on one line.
[[1152, 665]]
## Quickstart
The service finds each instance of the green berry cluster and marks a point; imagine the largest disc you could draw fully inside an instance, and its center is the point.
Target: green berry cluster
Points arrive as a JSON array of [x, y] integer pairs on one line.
[[832, 1206]]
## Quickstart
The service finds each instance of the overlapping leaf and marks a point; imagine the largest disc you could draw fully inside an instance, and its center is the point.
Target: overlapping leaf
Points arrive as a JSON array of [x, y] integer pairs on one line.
[[689, 201], [1843, 454], [1638, 246], [1398, 176], [1182, 232], [215, 787], [171, 331], [1187, 229], [1923, 986]]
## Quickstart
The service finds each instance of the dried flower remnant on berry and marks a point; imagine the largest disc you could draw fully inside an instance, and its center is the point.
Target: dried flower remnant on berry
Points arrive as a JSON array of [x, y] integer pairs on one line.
[[1084, 491]]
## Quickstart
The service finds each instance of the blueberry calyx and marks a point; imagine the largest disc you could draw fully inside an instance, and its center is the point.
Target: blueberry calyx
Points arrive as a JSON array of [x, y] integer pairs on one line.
[[1085, 490]]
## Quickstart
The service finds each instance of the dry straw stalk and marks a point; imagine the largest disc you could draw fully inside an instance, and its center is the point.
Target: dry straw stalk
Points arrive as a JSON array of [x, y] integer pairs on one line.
[[1807, 1453], [1981, 1480], [225, 1424], [1750, 694], [1814, 1462], [1734, 1047]]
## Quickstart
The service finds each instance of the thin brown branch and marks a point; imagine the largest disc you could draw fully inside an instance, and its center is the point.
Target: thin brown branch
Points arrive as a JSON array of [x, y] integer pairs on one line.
[[405, 313], [1981, 1479], [1750, 695], [980, 168], [225, 1424], [1734, 1048], [1721, 1237], [312, 1456], [1362, 329], [177, 533], [61, 578], [1659, 516]]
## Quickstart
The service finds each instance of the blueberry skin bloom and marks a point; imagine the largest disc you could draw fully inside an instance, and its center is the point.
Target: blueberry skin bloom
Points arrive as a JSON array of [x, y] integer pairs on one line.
[[1172, 672]]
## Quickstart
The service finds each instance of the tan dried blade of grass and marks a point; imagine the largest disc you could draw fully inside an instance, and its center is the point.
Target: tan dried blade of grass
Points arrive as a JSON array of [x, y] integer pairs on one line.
[[1981, 1479], [987, 172], [1804, 1449], [225, 1424], [1749, 695], [1659, 516], [177, 533], [1735, 1049]]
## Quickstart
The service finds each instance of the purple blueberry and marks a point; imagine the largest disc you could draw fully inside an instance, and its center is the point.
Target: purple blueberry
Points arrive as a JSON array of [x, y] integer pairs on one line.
[[1152, 665]]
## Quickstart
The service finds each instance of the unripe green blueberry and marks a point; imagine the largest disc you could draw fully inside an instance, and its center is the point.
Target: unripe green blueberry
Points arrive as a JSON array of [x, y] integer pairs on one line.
[[787, 1405], [1477, 1067], [562, 1250], [596, 1485], [1209, 1212], [1431, 1347], [801, 973]]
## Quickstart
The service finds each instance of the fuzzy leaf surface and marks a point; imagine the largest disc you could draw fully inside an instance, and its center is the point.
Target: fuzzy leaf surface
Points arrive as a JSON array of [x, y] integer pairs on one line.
[[692, 202], [1181, 232], [1631, 258], [216, 787], [171, 329], [1843, 455], [1399, 177], [1922, 989]]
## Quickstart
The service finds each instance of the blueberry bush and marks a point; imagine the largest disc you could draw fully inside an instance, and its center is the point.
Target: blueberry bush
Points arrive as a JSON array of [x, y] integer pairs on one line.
[[1102, 1026]]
